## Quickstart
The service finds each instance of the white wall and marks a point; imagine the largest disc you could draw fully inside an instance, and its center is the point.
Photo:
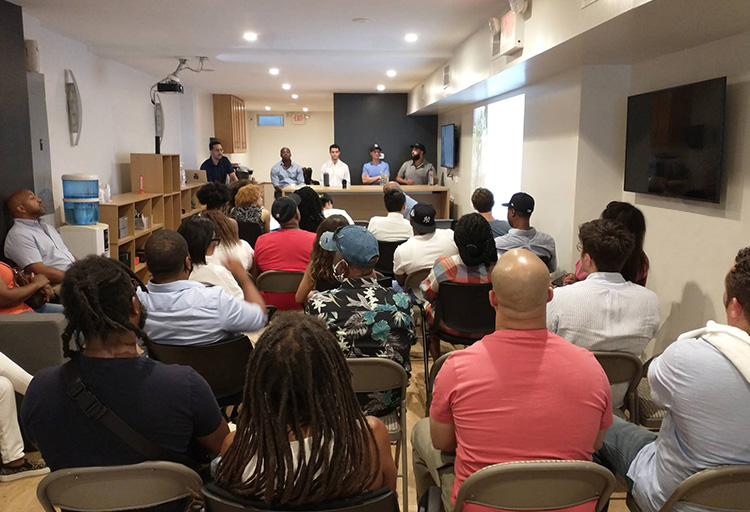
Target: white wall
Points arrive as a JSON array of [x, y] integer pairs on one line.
[[309, 143]]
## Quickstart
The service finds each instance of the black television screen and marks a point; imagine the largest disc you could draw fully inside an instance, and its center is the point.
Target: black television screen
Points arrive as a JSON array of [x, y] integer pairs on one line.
[[674, 145], [448, 146]]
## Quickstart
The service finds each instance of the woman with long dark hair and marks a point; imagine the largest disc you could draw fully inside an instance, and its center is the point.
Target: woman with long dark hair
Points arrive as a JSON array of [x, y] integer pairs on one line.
[[310, 209], [320, 268], [216, 197]]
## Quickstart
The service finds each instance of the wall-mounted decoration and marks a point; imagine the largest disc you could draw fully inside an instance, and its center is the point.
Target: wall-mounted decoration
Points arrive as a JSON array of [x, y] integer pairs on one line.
[[75, 113]]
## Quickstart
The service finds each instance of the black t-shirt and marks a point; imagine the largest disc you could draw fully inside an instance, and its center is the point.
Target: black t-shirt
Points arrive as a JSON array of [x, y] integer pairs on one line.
[[170, 405], [217, 172]]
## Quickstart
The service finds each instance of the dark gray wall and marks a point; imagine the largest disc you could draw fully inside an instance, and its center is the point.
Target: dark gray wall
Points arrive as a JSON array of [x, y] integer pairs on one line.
[[16, 169], [360, 120]]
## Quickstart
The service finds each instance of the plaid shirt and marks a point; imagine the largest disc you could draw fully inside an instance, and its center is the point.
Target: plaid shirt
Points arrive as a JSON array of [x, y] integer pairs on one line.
[[452, 269]]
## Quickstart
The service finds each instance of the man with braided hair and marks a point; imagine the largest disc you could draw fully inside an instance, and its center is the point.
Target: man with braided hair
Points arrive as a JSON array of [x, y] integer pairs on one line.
[[170, 405]]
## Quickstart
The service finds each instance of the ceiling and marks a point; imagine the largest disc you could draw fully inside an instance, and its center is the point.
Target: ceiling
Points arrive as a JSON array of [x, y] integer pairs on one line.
[[315, 44]]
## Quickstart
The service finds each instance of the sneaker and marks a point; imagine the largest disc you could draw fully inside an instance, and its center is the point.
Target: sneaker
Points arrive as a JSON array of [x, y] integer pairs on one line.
[[28, 468]]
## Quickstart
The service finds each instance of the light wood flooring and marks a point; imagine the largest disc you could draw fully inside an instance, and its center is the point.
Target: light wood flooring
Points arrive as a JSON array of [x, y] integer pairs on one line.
[[20, 496]]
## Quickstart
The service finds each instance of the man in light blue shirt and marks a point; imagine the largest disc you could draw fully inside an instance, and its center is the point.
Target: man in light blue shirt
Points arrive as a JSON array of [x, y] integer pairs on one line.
[[286, 173], [522, 235], [372, 170], [702, 381], [409, 201], [183, 312], [32, 244]]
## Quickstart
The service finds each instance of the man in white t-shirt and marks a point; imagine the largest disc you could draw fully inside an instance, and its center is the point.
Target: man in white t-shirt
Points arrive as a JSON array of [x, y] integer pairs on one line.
[[425, 247], [393, 227], [337, 170], [328, 209]]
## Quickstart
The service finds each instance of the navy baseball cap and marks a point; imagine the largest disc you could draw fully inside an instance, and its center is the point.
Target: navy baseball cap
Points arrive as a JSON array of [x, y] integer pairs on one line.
[[422, 218], [419, 146], [375, 146], [354, 243], [521, 202]]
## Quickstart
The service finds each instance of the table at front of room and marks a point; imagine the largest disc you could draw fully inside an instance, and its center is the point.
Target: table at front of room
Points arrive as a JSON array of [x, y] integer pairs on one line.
[[364, 201]]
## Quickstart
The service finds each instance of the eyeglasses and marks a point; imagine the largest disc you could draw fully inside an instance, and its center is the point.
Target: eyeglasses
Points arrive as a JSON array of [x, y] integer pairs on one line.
[[579, 247], [217, 241]]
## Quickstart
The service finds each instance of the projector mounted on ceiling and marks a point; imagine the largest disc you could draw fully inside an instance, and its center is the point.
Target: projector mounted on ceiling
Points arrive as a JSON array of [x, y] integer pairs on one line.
[[171, 85]]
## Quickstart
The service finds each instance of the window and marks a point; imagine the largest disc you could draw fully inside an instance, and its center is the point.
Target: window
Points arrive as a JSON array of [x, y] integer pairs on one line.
[[270, 120]]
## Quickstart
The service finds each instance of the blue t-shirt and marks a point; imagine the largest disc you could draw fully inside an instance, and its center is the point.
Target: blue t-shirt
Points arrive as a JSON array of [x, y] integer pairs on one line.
[[217, 172], [375, 170]]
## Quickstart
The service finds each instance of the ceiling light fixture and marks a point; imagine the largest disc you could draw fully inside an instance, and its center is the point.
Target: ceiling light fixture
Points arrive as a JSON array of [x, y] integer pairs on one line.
[[295, 96], [286, 87], [250, 36], [274, 71], [391, 73], [268, 108], [411, 38], [381, 87], [305, 109]]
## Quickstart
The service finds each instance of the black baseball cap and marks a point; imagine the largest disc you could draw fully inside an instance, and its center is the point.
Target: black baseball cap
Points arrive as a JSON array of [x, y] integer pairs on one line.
[[285, 208], [375, 146], [325, 197], [422, 218], [419, 146], [521, 202]]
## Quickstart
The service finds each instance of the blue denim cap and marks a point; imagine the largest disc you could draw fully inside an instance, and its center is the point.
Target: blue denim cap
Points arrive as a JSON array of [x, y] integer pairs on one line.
[[355, 244]]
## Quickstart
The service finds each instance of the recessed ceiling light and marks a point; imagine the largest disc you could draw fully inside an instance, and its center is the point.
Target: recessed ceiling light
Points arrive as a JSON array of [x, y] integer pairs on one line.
[[268, 108], [286, 87], [380, 87], [305, 109], [274, 71], [391, 73], [295, 96], [361, 20], [250, 36], [410, 38]]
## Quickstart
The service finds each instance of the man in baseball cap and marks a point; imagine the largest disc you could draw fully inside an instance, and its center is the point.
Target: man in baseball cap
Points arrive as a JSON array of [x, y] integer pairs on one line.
[[285, 208], [522, 235], [376, 170], [416, 170]]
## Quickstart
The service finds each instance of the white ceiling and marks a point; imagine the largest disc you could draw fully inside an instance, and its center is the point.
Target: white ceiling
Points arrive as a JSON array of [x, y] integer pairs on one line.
[[315, 43]]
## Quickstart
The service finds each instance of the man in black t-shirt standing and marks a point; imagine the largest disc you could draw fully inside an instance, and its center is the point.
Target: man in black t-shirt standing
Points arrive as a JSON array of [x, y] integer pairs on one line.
[[218, 167]]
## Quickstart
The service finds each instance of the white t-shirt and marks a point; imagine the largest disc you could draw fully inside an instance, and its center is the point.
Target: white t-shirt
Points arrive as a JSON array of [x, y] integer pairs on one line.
[[217, 275], [337, 172], [391, 228], [335, 211], [421, 251], [242, 251]]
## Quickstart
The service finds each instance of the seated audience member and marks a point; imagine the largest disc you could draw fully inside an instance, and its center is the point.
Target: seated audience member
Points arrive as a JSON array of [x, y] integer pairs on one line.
[[170, 405], [367, 319], [473, 265], [522, 235], [13, 297], [31, 243], [702, 381], [375, 168], [299, 407], [409, 204], [310, 209], [328, 209], [235, 187], [393, 227], [286, 249], [605, 312], [320, 268], [483, 202], [249, 207], [184, 312], [423, 249], [216, 198], [635, 269], [521, 393], [14, 379], [200, 235]]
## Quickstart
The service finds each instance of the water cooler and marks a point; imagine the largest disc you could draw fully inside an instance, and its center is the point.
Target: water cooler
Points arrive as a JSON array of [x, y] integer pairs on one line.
[[85, 240]]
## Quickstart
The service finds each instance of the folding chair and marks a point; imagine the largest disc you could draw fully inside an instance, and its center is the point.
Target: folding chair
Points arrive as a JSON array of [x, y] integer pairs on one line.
[[537, 485], [622, 367], [720, 488], [444, 223], [414, 280], [280, 281], [376, 374], [649, 415], [380, 500], [433, 375], [223, 364], [363, 223], [385, 262], [249, 231], [147, 484]]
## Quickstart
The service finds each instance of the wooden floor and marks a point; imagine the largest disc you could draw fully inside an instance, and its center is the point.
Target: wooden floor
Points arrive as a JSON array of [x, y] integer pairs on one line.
[[20, 496]]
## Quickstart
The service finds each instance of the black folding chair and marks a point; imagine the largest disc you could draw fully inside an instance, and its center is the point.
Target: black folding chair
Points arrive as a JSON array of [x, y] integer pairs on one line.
[[385, 262], [250, 231]]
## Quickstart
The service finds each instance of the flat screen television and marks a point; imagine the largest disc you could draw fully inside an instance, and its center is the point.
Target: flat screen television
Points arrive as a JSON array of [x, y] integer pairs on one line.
[[675, 141], [448, 154]]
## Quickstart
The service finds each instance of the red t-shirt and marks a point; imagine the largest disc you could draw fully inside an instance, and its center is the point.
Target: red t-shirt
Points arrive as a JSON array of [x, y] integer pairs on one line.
[[7, 276], [521, 395], [285, 249]]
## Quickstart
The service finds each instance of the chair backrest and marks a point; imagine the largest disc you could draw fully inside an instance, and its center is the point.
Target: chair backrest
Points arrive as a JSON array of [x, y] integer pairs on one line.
[[373, 374], [415, 279], [223, 364], [537, 485], [116, 487], [431, 380], [465, 307], [385, 262], [280, 281], [719, 488], [380, 500], [621, 367], [444, 223], [249, 231], [363, 223]]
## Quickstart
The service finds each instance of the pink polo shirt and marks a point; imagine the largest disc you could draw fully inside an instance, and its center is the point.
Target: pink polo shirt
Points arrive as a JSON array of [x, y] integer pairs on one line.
[[521, 395]]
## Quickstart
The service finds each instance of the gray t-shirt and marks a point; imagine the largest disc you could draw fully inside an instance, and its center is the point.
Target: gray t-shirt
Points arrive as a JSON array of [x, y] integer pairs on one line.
[[418, 173]]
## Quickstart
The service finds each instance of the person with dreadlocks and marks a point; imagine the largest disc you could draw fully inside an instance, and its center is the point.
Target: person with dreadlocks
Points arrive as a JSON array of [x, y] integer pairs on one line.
[[473, 264], [301, 436], [170, 405]]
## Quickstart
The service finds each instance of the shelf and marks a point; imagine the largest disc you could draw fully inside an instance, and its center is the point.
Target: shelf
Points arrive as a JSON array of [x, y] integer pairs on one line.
[[192, 212], [127, 198], [139, 267], [140, 232], [125, 240], [156, 226]]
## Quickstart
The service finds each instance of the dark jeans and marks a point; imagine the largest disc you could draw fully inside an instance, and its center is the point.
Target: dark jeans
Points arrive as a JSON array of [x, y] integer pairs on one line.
[[622, 443]]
